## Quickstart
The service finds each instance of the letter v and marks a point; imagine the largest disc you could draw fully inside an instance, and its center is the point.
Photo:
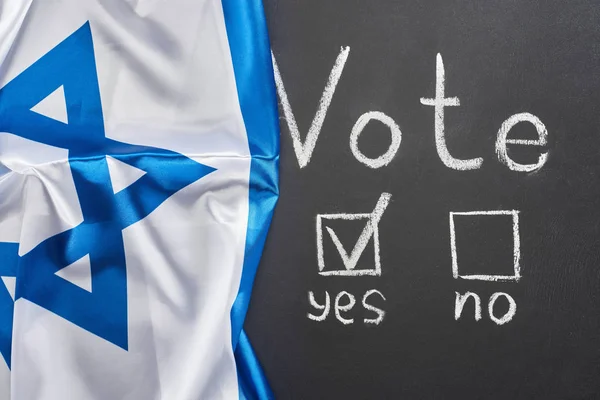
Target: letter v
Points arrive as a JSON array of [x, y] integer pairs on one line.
[[304, 150]]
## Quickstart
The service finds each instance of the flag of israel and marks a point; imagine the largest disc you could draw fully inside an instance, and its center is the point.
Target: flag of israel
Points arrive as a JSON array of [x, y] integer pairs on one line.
[[138, 175]]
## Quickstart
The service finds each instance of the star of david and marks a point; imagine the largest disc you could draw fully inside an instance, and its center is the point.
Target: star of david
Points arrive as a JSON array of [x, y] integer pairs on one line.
[[101, 311]]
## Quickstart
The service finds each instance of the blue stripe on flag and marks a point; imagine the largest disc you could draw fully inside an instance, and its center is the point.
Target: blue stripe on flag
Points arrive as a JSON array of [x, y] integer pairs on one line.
[[251, 56]]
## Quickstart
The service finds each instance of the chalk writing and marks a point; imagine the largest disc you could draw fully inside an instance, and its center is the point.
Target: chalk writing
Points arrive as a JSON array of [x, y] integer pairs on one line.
[[439, 102], [502, 141], [380, 313], [343, 308], [388, 156], [508, 316], [325, 307], [340, 307], [371, 230], [304, 150], [461, 300], [344, 301], [516, 247]]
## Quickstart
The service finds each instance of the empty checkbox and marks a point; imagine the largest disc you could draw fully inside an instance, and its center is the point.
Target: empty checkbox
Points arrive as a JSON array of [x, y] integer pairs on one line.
[[485, 245]]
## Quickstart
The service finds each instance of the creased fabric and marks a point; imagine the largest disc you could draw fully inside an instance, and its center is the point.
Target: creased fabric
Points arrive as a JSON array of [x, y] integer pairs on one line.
[[138, 175]]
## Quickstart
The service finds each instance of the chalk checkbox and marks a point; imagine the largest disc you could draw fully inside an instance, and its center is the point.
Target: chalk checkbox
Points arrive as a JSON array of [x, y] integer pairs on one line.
[[370, 230], [506, 251]]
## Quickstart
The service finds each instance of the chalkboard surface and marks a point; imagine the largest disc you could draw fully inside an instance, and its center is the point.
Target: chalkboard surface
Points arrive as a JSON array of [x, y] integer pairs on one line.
[[425, 200]]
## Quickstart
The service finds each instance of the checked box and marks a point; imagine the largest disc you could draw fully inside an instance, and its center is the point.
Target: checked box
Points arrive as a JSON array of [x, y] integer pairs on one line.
[[484, 240], [370, 230]]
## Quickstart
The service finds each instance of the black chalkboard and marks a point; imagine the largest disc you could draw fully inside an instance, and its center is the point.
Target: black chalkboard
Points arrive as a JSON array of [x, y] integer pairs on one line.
[[501, 58]]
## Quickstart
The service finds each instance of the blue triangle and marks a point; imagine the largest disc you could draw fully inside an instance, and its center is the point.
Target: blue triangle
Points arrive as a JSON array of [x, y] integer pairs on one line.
[[9, 259], [167, 172], [102, 312], [70, 64]]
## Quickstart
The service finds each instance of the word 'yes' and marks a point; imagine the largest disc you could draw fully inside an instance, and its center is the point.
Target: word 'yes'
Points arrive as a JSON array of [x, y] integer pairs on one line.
[[340, 308], [461, 300], [439, 103]]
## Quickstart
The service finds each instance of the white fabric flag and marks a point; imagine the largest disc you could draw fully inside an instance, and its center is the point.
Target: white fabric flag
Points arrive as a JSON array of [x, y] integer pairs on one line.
[[138, 175]]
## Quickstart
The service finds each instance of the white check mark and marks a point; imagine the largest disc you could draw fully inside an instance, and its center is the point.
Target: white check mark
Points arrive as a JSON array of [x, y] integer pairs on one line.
[[351, 260]]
